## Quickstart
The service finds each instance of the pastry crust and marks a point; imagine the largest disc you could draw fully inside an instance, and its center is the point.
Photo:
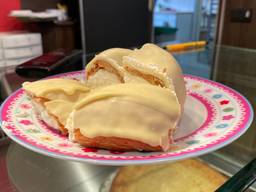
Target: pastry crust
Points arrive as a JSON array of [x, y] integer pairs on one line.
[[113, 143], [186, 175], [148, 77], [106, 66]]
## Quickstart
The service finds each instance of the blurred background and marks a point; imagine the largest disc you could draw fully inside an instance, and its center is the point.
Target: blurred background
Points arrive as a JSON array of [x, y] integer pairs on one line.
[[64, 35]]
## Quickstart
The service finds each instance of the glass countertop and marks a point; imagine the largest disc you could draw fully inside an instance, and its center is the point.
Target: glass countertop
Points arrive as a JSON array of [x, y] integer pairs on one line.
[[22, 170], [236, 68]]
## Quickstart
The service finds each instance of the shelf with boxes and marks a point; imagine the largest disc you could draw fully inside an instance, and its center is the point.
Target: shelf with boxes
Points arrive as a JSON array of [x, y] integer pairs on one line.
[[17, 48]]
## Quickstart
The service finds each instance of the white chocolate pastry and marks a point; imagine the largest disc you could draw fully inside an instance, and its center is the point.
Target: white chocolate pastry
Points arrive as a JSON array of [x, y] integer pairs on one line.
[[126, 117], [150, 64], [158, 67], [53, 99], [132, 100]]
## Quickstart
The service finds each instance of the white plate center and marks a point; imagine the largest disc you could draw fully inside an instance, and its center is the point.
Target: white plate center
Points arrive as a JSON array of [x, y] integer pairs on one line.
[[195, 114]]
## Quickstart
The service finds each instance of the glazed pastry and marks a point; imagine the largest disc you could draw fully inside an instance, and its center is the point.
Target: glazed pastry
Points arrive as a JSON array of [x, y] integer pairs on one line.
[[53, 99], [135, 103], [126, 117], [158, 67], [186, 175], [150, 64]]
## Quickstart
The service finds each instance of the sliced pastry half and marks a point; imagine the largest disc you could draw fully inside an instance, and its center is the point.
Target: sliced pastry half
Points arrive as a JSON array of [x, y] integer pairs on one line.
[[150, 64], [53, 99], [126, 117], [157, 67], [106, 68]]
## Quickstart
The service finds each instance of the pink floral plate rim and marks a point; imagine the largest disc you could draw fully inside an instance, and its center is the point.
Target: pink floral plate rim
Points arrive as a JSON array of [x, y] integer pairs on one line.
[[125, 160]]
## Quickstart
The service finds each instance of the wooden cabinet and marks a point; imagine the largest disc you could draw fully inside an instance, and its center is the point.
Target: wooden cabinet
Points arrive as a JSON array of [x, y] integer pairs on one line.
[[57, 35], [235, 33]]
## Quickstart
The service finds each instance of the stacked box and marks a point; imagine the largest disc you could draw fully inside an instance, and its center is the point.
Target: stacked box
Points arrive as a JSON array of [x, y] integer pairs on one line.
[[17, 48]]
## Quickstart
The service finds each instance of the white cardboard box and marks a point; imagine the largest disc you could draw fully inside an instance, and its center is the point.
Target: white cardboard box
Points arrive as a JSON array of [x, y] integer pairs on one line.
[[1, 54], [21, 40], [2, 63], [23, 52]]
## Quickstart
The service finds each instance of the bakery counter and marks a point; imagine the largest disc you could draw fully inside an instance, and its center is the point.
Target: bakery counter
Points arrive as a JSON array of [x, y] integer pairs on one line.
[[22, 170]]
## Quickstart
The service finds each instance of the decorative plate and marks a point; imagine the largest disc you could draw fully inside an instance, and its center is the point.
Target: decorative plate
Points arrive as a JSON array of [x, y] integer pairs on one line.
[[214, 116]]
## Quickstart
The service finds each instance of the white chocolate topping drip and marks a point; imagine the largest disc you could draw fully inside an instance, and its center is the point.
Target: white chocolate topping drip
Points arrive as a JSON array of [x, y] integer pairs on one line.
[[140, 112], [62, 89]]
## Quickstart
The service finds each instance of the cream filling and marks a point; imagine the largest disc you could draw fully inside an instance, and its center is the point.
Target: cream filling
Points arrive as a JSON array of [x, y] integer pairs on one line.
[[70, 126], [121, 118], [129, 78], [151, 69], [102, 78]]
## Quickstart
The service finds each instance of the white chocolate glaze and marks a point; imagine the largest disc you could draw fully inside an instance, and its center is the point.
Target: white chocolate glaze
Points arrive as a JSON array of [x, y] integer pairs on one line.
[[155, 97], [140, 112], [60, 109], [51, 89], [153, 60]]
